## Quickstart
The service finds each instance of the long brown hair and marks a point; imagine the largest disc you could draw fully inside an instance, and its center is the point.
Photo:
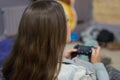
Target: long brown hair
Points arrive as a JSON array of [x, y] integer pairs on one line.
[[39, 44]]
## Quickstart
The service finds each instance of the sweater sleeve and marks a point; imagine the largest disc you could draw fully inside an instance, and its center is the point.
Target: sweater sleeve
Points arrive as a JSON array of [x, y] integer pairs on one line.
[[101, 72]]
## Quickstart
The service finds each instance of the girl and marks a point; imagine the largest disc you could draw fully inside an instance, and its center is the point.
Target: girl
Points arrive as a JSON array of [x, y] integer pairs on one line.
[[38, 49], [39, 44]]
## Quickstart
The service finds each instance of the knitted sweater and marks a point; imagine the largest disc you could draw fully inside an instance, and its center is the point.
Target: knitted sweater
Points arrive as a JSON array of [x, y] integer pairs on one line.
[[77, 69]]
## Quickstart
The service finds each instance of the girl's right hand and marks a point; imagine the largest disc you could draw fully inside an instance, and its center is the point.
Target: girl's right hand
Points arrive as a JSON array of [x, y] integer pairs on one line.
[[96, 55]]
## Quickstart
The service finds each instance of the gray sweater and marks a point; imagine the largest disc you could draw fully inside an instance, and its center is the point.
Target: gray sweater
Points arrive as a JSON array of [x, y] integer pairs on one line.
[[77, 69]]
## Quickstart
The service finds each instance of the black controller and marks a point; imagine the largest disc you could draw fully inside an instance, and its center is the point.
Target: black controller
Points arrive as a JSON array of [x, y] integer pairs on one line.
[[82, 50]]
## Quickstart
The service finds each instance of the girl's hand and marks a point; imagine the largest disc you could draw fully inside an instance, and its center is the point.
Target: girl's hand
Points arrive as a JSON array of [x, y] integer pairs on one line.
[[96, 55], [68, 53]]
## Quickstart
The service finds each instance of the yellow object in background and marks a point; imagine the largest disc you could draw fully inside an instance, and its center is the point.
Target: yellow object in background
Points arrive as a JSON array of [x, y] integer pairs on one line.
[[107, 11], [70, 13]]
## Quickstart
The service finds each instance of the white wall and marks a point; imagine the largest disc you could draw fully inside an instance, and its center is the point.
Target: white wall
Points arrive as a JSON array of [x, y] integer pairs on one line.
[[84, 9], [8, 3], [1, 22], [84, 13]]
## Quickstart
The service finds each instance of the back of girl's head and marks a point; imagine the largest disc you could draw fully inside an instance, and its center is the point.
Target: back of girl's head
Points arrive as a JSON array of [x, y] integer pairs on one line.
[[39, 44]]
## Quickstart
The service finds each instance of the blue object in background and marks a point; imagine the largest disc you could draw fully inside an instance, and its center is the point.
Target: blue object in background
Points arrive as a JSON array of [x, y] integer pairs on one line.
[[5, 48], [74, 36]]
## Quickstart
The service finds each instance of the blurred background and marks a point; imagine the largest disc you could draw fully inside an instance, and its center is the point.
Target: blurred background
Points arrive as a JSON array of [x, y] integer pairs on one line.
[[107, 11], [95, 22]]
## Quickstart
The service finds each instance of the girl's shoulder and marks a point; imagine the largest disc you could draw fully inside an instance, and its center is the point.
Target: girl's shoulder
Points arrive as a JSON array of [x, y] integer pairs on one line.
[[72, 71], [68, 71]]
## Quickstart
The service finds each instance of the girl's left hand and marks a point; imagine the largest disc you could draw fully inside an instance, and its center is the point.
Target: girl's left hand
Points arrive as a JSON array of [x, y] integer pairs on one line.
[[68, 53]]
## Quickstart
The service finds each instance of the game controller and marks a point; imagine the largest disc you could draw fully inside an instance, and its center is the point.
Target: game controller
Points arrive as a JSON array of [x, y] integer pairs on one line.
[[82, 50]]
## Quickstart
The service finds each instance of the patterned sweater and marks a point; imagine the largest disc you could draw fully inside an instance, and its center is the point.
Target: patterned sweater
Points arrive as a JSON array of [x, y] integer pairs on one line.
[[77, 69]]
